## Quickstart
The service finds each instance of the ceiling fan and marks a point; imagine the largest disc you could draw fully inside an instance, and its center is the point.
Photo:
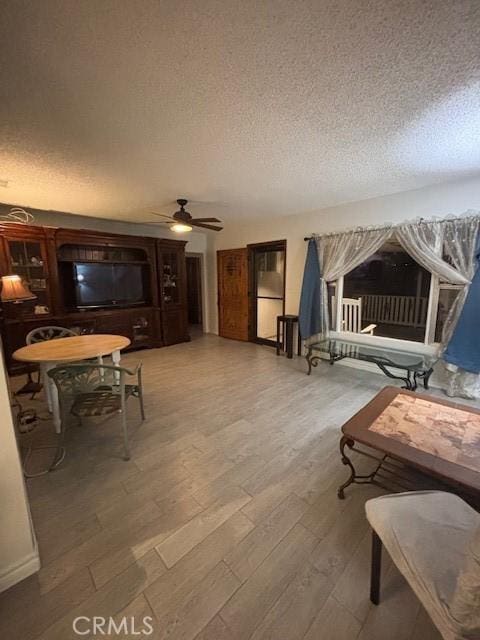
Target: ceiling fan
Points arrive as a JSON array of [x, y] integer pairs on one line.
[[181, 221]]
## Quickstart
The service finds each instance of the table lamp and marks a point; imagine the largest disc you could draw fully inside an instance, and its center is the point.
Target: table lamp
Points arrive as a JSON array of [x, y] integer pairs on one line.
[[15, 290]]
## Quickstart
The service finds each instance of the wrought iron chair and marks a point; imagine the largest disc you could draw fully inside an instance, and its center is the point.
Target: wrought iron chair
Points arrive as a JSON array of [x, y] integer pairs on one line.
[[93, 390], [40, 334]]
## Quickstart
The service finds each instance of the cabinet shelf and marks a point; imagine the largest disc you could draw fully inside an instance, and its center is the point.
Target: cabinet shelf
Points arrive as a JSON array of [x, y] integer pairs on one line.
[[84, 261], [91, 253], [27, 266]]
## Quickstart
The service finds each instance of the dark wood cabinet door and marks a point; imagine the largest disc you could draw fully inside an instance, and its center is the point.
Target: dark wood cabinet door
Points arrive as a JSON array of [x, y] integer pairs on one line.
[[172, 273], [172, 276], [232, 267], [194, 290], [136, 325], [175, 328], [114, 323]]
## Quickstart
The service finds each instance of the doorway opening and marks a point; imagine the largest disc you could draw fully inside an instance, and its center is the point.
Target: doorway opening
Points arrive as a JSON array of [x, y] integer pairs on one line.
[[267, 263], [194, 293]]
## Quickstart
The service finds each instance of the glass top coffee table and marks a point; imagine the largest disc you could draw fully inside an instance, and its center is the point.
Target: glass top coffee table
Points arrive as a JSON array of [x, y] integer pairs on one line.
[[416, 366]]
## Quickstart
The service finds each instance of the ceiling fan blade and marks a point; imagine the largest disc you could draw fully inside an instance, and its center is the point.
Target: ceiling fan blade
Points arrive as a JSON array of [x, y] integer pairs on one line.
[[207, 220], [194, 223]]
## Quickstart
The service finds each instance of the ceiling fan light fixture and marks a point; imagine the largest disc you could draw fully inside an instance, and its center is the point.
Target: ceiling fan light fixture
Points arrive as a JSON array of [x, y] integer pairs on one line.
[[181, 227]]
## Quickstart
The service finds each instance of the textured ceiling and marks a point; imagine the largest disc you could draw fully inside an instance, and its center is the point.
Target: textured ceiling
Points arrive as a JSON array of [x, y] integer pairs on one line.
[[115, 107]]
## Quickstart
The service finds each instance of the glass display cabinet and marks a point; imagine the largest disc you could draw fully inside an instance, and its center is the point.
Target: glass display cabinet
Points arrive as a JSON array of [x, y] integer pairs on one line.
[[173, 290], [170, 278], [26, 256]]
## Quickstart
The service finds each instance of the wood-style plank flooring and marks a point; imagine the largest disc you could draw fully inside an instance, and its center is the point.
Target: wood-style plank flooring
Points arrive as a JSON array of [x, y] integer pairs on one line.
[[225, 523]]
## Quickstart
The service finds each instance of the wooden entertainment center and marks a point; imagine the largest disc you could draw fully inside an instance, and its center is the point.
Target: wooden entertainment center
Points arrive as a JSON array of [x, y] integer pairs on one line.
[[45, 257]]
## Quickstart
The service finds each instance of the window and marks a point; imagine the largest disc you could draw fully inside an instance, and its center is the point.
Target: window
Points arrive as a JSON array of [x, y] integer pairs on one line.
[[391, 295]]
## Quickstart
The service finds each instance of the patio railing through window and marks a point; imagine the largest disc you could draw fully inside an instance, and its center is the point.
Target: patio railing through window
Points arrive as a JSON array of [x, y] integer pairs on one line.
[[410, 311]]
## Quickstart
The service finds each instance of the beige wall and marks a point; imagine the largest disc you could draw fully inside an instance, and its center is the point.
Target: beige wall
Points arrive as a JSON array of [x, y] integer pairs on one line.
[[439, 200], [18, 551]]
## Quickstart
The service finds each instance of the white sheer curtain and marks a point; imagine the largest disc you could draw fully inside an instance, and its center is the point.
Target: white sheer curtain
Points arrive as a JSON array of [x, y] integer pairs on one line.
[[339, 254], [460, 383], [430, 243], [424, 242], [459, 241]]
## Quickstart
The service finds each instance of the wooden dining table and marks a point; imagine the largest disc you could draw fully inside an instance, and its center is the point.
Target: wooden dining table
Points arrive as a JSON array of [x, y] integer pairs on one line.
[[51, 353]]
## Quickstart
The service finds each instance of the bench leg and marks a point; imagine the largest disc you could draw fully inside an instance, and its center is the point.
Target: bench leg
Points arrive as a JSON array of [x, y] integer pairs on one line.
[[426, 378], [375, 568]]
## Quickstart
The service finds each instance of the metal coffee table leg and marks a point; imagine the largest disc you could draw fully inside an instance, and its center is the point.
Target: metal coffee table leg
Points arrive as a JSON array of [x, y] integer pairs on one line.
[[354, 476], [312, 361], [346, 460]]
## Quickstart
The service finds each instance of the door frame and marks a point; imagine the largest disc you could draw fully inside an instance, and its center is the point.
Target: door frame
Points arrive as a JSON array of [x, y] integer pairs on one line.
[[273, 245], [201, 288]]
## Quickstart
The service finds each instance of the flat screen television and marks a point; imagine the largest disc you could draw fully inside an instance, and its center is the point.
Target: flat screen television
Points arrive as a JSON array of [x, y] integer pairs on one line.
[[101, 284]]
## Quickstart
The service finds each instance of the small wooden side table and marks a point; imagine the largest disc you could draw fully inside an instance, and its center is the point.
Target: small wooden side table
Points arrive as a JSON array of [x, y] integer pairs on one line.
[[288, 322]]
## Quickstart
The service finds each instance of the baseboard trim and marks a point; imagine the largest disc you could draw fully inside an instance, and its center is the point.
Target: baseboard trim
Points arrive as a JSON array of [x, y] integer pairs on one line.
[[20, 570]]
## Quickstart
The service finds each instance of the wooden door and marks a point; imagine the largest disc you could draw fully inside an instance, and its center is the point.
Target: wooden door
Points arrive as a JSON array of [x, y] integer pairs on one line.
[[232, 270]]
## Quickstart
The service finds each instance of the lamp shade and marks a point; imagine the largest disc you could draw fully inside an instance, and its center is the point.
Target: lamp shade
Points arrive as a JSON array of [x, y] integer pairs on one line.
[[15, 290]]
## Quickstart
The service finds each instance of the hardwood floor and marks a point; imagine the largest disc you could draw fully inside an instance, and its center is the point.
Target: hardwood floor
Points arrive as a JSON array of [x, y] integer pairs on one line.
[[225, 523]]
